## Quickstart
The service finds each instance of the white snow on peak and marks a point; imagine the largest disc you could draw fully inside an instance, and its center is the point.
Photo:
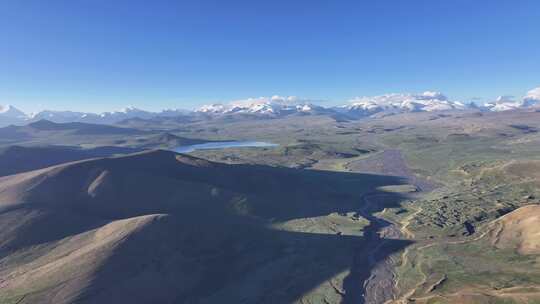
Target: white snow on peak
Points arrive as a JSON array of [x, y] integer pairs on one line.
[[11, 111], [213, 108], [130, 109], [532, 98], [260, 105], [11, 115], [304, 108], [4, 109], [125, 111], [505, 103], [278, 106], [400, 102], [105, 117]]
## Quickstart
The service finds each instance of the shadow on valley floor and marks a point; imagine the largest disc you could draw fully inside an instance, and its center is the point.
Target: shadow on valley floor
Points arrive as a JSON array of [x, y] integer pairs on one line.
[[210, 233], [248, 265]]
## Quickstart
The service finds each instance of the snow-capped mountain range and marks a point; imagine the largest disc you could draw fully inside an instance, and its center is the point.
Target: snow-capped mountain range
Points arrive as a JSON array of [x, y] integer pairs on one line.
[[278, 106], [9, 111], [398, 103], [11, 115], [505, 103], [104, 118], [273, 106]]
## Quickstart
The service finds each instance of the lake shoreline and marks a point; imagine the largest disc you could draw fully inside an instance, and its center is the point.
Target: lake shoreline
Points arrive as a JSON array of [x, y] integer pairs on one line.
[[224, 145]]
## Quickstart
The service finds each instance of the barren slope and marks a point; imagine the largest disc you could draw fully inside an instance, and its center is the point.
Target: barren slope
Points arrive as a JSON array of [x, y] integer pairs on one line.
[[519, 230], [170, 228]]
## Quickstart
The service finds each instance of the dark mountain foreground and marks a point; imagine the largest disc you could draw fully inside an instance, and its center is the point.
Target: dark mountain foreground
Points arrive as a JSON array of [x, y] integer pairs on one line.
[[17, 159], [160, 227]]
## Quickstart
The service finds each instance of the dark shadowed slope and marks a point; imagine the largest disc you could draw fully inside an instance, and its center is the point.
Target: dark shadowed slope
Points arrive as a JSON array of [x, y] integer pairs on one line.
[[81, 128], [45, 129], [160, 227], [45, 133], [17, 159]]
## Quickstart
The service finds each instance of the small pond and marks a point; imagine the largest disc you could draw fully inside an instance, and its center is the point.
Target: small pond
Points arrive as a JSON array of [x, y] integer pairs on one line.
[[223, 145]]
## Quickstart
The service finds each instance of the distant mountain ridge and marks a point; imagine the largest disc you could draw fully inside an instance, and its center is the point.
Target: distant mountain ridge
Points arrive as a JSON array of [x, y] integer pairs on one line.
[[399, 103], [279, 106], [46, 128], [11, 115], [273, 106], [104, 118]]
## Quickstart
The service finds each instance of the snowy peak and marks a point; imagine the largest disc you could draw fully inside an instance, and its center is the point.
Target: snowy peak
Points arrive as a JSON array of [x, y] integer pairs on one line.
[[11, 115], [275, 105], [532, 98], [425, 102], [358, 107], [279, 106], [103, 118], [213, 108], [11, 112], [503, 103], [125, 113], [63, 116], [173, 112], [506, 103]]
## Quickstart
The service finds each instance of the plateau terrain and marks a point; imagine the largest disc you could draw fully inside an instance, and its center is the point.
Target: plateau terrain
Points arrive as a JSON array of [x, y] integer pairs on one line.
[[423, 207]]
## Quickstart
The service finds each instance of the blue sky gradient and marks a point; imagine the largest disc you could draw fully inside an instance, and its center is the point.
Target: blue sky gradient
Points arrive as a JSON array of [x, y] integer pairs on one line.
[[97, 55]]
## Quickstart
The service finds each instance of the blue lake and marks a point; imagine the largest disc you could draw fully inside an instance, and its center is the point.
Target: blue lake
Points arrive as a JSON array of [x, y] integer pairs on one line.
[[223, 145]]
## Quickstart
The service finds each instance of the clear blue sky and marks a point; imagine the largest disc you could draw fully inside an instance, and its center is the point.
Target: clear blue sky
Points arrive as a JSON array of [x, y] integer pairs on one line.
[[97, 55]]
